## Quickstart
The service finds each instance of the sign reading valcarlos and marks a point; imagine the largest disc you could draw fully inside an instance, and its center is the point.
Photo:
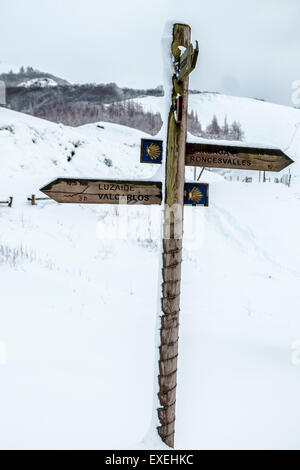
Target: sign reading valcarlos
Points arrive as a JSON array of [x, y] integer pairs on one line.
[[90, 191], [238, 158]]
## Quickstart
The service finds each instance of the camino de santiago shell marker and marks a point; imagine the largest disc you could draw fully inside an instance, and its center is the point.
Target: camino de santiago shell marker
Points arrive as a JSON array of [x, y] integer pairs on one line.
[[178, 194]]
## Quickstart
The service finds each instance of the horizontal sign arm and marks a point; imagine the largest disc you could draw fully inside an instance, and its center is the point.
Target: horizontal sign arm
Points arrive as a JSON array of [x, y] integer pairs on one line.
[[89, 191], [235, 157]]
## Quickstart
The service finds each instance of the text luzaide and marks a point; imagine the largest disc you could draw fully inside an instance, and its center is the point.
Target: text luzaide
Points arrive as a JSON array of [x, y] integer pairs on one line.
[[116, 187]]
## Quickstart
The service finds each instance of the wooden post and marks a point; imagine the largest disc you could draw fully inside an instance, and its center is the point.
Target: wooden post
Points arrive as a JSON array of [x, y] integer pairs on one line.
[[32, 200], [9, 202], [201, 173], [172, 247]]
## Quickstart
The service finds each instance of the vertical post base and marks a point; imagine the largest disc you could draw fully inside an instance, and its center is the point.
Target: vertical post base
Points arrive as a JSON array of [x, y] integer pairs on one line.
[[172, 259]]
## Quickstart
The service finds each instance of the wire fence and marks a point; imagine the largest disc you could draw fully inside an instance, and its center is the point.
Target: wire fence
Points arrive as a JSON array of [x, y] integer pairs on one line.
[[285, 179]]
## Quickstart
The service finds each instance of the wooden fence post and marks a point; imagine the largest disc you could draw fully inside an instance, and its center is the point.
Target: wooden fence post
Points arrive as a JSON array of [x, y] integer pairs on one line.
[[172, 247]]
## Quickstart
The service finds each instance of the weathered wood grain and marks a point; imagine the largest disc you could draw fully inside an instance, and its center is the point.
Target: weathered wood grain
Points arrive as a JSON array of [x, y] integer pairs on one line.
[[172, 274], [167, 415], [167, 398], [169, 335], [170, 321], [168, 350], [171, 288], [168, 366], [166, 430], [172, 246], [172, 258], [171, 304], [168, 382], [188, 61]]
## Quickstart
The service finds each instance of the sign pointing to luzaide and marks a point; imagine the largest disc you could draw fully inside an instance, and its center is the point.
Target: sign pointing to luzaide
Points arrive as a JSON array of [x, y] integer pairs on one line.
[[89, 191]]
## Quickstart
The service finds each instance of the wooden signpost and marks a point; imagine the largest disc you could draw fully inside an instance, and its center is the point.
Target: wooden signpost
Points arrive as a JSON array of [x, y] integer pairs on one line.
[[9, 202], [33, 199], [231, 157], [172, 242], [179, 154], [91, 191]]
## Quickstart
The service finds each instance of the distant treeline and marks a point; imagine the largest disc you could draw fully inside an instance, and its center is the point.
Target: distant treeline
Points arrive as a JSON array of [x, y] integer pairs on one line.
[[132, 114], [128, 113], [13, 79], [37, 98], [76, 105], [214, 130]]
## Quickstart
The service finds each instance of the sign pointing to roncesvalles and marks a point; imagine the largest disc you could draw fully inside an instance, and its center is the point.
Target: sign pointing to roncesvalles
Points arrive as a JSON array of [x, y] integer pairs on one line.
[[221, 156], [233, 157]]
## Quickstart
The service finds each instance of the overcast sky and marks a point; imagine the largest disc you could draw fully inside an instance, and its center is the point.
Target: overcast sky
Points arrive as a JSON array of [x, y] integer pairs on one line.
[[247, 47]]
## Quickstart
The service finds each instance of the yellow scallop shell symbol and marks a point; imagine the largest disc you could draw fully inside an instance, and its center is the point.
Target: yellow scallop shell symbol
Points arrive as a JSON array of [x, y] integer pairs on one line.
[[195, 195], [153, 151]]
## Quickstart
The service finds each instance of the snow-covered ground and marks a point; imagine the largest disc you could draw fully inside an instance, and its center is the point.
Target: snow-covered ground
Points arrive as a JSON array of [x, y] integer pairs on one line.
[[79, 288]]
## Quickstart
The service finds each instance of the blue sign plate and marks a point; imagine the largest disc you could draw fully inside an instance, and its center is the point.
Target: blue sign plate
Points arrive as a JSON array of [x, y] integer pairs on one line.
[[196, 194], [151, 151]]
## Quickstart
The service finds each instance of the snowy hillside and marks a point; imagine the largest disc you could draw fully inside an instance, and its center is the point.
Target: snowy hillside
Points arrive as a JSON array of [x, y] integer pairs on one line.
[[39, 83], [263, 123], [79, 294]]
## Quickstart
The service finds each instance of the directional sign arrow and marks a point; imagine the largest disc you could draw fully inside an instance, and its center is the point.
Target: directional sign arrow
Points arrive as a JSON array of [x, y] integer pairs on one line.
[[237, 158], [90, 191]]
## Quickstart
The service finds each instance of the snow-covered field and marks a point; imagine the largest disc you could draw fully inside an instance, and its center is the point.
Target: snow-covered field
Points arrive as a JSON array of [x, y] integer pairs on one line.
[[79, 295]]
